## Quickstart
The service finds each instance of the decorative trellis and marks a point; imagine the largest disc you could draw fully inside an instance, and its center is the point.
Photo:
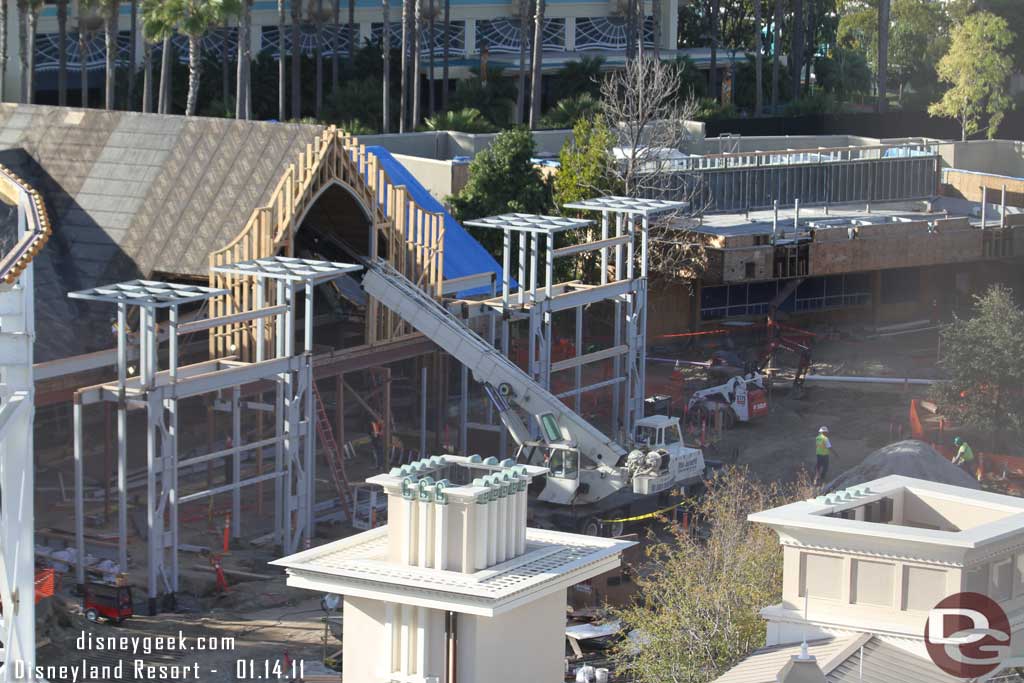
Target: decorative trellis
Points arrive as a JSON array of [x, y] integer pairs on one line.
[[48, 51], [608, 33], [333, 38], [502, 34], [456, 37]]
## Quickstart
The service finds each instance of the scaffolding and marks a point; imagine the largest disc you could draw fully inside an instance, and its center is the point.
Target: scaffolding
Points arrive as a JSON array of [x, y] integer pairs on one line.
[[158, 393], [539, 297]]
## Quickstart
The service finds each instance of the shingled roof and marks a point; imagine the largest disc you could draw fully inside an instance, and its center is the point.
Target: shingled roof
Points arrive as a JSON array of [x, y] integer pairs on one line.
[[134, 195]]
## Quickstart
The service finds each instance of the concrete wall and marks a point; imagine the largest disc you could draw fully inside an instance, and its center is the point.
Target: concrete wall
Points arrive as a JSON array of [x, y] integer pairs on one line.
[[778, 142], [441, 178], [999, 157], [444, 145]]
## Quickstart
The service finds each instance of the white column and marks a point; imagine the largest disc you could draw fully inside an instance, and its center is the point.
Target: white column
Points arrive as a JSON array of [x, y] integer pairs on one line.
[[502, 529], [440, 536], [470, 36], [570, 34], [481, 527], [492, 532]]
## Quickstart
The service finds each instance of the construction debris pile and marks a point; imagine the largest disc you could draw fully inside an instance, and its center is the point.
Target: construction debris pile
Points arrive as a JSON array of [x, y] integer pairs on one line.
[[909, 458]]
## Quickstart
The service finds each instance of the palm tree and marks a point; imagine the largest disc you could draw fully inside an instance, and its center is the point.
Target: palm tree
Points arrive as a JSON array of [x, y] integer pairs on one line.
[[3, 51], [445, 55], [403, 106], [524, 29], [296, 59], [281, 81], [656, 19], [417, 34], [385, 40], [87, 24], [776, 41], [430, 54], [158, 25], [569, 110], [243, 90], [538, 58], [464, 120], [715, 9], [109, 10], [758, 49], [24, 9], [351, 31], [196, 18], [883, 54], [225, 64], [133, 31], [317, 15], [335, 57], [796, 52], [147, 76], [62, 51]]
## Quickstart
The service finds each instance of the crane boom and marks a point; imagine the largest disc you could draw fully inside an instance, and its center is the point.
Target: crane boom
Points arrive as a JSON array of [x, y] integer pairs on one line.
[[498, 374]]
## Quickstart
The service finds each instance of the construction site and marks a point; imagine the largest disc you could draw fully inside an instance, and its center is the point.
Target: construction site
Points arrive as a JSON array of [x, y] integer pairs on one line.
[[252, 346]]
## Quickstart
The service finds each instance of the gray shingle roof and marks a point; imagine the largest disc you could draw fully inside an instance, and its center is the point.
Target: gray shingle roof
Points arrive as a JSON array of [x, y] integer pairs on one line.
[[133, 196]]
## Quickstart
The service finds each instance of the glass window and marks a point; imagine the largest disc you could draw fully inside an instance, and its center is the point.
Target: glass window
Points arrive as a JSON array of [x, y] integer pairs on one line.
[[550, 425], [646, 436], [672, 435]]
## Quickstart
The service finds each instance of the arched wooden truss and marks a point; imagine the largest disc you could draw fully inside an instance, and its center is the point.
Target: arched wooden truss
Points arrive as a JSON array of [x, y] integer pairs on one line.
[[409, 237]]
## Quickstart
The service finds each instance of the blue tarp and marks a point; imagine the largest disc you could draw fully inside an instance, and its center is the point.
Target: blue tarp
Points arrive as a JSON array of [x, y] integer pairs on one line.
[[463, 255]]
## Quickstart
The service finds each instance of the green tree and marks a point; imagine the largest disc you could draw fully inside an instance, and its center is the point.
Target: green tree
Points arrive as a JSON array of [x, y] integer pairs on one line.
[[698, 609], [579, 76], [917, 40], [984, 359], [586, 164], [493, 96], [977, 67], [843, 73], [502, 179]]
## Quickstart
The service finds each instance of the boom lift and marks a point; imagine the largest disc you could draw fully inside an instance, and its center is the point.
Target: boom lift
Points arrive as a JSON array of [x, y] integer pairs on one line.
[[592, 477]]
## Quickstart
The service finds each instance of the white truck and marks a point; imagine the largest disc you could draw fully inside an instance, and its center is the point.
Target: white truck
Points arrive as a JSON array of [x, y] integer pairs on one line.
[[594, 481]]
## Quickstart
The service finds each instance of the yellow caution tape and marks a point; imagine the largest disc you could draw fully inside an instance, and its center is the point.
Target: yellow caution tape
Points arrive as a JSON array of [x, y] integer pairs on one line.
[[649, 515]]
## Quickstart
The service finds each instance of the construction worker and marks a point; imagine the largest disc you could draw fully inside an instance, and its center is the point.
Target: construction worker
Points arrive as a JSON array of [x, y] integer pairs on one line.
[[964, 456], [823, 451]]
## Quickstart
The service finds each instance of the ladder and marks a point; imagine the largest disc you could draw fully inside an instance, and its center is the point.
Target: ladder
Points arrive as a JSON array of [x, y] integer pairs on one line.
[[334, 456]]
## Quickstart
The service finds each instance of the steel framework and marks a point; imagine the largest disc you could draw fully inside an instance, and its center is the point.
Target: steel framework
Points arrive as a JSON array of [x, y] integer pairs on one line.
[[158, 392]]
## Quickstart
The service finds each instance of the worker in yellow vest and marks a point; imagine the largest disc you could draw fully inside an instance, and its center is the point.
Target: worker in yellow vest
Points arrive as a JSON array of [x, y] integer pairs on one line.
[[823, 451], [964, 456]]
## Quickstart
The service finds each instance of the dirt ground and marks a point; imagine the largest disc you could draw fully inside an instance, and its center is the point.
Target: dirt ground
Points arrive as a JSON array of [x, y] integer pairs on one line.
[[272, 623]]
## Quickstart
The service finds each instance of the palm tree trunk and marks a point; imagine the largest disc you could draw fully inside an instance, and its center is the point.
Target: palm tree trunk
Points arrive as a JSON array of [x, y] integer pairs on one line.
[[244, 65], [83, 73], [385, 40], [296, 60], [445, 55], [430, 56], [225, 65], [403, 104], [524, 29], [147, 77], [62, 52], [656, 18], [758, 57], [713, 75], [776, 41], [110, 34], [23, 49], [796, 52], [165, 76], [352, 31], [282, 115], [335, 46], [319, 53], [809, 46], [133, 53], [3, 51], [194, 72], [538, 58], [417, 32], [883, 54], [33, 22], [639, 29]]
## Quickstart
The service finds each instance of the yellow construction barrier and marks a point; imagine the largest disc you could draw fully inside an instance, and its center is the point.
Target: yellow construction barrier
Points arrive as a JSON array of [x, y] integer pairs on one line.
[[649, 515]]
